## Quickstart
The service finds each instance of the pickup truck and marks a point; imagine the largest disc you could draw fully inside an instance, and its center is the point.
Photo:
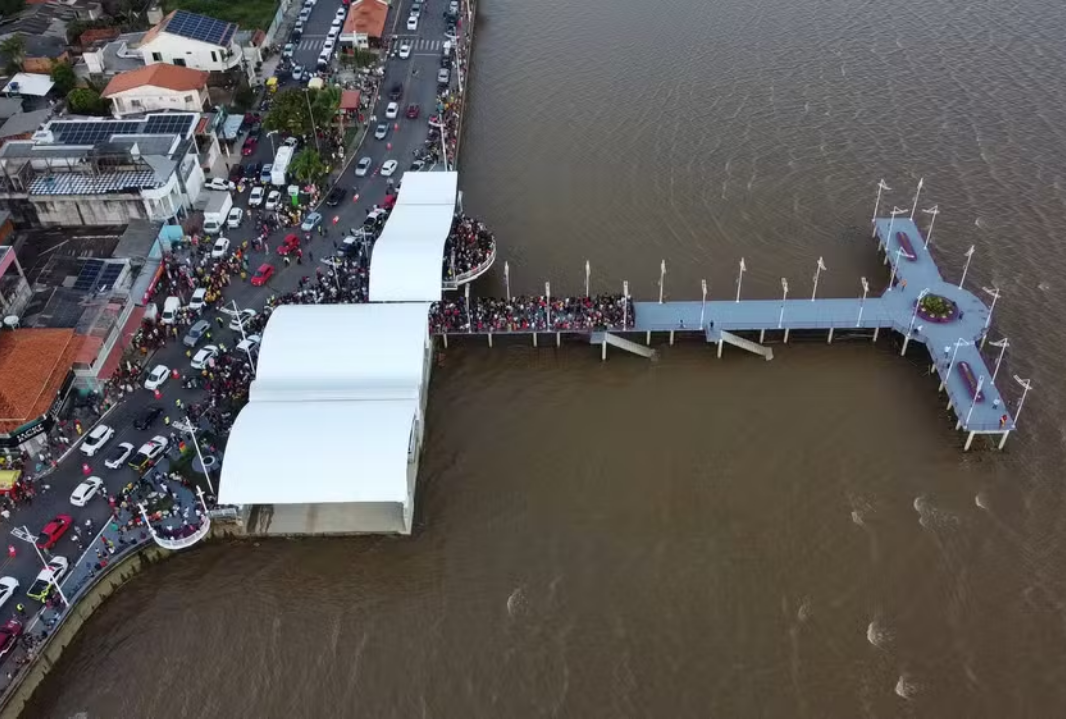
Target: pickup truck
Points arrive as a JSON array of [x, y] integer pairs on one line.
[[43, 585]]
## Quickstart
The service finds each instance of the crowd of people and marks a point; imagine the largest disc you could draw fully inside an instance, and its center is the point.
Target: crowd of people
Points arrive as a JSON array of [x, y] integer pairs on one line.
[[469, 246], [523, 314]]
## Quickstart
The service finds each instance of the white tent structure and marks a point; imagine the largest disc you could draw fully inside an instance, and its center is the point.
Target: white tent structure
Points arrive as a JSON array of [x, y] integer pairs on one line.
[[330, 438], [407, 264]]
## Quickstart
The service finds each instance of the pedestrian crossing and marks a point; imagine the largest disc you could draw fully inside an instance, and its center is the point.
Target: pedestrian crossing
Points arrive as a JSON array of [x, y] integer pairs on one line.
[[418, 43], [311, 43]]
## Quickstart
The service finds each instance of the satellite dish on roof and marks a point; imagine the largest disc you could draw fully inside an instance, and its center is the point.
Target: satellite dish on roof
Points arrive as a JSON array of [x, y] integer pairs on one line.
[[11, 321]]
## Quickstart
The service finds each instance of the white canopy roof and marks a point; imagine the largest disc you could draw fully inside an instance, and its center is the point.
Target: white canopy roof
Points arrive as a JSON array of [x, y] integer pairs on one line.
[[29, 83], [318, 452], [342, 352], [408, 260]]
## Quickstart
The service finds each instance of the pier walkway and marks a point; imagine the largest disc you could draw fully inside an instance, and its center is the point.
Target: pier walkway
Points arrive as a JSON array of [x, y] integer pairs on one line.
[[952, 342]]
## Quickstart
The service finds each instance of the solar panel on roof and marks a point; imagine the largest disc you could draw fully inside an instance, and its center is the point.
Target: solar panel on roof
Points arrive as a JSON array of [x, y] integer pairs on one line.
[[90, 273], [176, 124], [110, 275], [89, 133], [198, 27]]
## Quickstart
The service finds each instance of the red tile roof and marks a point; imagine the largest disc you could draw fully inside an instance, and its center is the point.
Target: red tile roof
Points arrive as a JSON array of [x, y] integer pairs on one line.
[[349, 100], [159, 74], [367, 17], [33, 365]]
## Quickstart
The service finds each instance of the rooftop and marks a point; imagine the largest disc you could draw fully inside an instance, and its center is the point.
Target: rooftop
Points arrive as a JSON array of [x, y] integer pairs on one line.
[[23, 123], [170, 77], [193, 27], [28, 83], [367, 17], [33, 365]]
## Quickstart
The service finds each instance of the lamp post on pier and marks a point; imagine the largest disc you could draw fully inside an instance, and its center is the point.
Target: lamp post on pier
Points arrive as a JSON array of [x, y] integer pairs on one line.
[[973, 402], [588, 274], [1026, 386], [960, 342], [892, 277], [740, 277], [817, 273], [934, 211], [966, 267], [994, 292], [862, 302], [196, 443], [469, 310], [662, 280], [881, 186], [914, 316], [625, 304], [914, 205], [548, 302], [1003, 344], [507, 279], [892, 221], [784, 298], [703, 305]]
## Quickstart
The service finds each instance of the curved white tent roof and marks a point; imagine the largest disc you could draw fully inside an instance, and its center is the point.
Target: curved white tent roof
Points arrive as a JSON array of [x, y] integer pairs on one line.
[[407, 263], [318, 452], [342, 352]]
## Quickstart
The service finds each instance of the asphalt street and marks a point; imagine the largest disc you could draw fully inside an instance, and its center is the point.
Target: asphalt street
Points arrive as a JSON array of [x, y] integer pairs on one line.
[[419, 88]]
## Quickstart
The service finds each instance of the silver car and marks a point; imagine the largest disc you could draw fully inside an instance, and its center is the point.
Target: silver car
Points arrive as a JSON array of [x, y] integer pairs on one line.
[[381, 131], [363, 166]]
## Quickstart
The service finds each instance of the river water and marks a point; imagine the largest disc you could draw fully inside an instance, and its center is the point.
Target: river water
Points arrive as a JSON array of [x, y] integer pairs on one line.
[[693, 537]]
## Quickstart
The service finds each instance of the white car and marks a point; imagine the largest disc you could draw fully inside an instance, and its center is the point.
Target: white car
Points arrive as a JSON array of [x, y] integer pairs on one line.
[[86, 491], [154, 448], [392, 110], [363, 166], [157, 377], [412, 23], [220, 248], [96, 439], [327, 46], [337, 22], [242, 318], [256, 198], [250, 344], [273, 200], [291, 141], [342, 12], [8, 587], [287, 52], [218, 183], [388, 168], [405, 50], [204, 356], [236, 215], [119, 455], [199, 299]]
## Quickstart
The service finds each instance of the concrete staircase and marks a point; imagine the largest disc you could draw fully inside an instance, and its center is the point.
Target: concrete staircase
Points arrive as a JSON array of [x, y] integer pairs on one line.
[[606, 338], [722, 337]]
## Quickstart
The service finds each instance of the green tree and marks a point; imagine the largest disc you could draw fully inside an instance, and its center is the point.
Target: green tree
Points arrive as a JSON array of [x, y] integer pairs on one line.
[[324, 104], [9, 8], [87, 101], [64, 78], [292, 110], [307, 166], [14, 50]]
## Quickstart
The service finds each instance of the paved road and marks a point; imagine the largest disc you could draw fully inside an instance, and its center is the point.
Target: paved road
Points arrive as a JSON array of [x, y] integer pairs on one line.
[[420, 89]]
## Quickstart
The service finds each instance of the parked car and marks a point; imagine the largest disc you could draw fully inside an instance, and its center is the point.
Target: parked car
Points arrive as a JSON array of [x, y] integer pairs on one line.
[[388, 168], [287, 51], [241, 318], [392, 110], [412, 23], [336, 195], [54, 531], [250, 143], [340, 14], [236, 216], [96, 439], [297, 72], [363, 166], [249, 344], [255, 199], [8, 587], [55, 570], [196, 333], [405, 50], [203, 358], [86, 491], [396, 91], [199, 299], [264, 174], [235, 173], [149, 452], [291, 243], [262, 275], [220, 248], [443, 76], [147, 417], [121, 453], [381, 131], [251, 171], [157, 377], [273, 200], [291, 141], [311, 221], [217, 183]]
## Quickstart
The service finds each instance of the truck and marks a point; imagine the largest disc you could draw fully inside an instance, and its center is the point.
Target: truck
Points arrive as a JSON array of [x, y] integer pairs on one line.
[[46, 579], [217, 210], [281, 165]]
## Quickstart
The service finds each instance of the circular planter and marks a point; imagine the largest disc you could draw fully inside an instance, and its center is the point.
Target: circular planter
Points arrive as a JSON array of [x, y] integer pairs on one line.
[[937, 309], [210, 463]]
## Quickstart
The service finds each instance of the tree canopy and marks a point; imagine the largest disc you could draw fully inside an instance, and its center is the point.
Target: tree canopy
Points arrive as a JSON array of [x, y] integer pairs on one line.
[[14, 51], [308, 165], [87, 101], [293, 109], [63, 76]]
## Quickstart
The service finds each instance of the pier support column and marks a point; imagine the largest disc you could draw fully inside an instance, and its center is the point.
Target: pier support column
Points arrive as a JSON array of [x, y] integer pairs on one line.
[[445, 340], [786, 334], [906, 342], [877, 331], [671, 338], [719, 349], [762, 336], [647, 339], [558, 339], [830, 340], [603, 351], [1003, 439], [534, 339], [490, 340], [969, 441], [948, 408]]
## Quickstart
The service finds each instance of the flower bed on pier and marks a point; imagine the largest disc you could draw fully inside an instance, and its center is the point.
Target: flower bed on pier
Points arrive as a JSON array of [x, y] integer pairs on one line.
[[937, 308]]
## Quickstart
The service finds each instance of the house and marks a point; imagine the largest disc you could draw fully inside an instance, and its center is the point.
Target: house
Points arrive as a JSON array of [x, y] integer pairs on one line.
[[365, 24], [157, 87], [189, 40], [23, 125], [103, 172]]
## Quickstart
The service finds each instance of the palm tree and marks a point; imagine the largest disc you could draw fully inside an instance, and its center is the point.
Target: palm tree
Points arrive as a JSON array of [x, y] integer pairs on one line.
[[307, 166], [14, 49]]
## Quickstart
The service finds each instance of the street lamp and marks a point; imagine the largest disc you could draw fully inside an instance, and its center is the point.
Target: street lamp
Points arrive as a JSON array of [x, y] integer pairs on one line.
[[1026, 386], [443, 146], [966, 267], [817, 273], [917, 305], [703, 304], [244, 337], [196, 444], [914, 205], [26, 536], [784, 298], [934, 211], [960, 342], [881, 186], [973, 403], [994, 292], [862, 302], [1003, 344], [273, 149], [311, 116]]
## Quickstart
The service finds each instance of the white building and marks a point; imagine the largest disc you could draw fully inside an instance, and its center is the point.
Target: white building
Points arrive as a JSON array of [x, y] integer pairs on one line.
[[329, 441], [189, 40], [103, 172], [155, 88]]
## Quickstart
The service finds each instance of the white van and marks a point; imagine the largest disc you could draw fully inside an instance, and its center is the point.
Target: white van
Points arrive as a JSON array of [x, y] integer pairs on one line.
[[171, 305]]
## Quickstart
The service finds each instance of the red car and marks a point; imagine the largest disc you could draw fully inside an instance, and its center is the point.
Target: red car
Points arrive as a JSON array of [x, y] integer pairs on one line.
[[53, 531], [9, 634], [264, 273], [249, 146], [290, 244], [413, 110]]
